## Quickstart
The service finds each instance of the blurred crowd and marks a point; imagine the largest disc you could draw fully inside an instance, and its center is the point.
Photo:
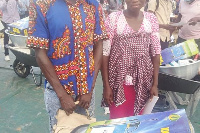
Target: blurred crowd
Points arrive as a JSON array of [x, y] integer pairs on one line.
[[167, 12]]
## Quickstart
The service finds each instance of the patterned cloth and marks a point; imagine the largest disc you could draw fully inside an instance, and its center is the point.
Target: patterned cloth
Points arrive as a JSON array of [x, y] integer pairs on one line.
[[124, 28], [130, 54], [68, 32], [105, 7]]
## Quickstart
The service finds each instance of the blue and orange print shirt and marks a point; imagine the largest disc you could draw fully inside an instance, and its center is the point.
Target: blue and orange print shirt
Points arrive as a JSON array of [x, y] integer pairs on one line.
[[68, 32]]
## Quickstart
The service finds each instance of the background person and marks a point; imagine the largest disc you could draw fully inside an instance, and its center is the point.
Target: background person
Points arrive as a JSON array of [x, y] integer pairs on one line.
[[162, 9], [189, 14]]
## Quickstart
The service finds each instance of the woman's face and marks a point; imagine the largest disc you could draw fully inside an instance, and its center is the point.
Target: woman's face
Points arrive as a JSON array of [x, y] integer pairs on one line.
[[134, 4]]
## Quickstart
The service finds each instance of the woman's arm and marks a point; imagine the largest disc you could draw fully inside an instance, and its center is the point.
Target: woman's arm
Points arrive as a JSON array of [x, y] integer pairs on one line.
[[110, 27], [156, 65], [155, 50]]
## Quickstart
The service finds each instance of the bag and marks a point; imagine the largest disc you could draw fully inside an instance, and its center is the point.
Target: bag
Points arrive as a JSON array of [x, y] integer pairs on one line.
[[65, 123]]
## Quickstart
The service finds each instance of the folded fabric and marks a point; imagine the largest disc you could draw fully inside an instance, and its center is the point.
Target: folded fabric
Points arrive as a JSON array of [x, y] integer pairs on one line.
[[65, 123]]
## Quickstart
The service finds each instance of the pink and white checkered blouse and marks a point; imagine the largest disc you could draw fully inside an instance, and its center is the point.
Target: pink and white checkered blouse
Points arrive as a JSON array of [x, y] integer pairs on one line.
[[149, 25]]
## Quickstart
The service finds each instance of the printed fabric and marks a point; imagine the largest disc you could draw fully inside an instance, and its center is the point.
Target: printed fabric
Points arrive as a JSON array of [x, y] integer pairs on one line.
[[130, 54], [68, 33]]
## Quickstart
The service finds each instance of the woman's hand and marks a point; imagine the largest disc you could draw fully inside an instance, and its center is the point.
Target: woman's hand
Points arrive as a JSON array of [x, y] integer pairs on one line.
[[153, 91], [108, 95]]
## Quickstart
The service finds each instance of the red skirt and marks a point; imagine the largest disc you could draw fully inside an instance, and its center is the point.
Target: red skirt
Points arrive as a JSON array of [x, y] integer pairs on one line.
[[126, 109]]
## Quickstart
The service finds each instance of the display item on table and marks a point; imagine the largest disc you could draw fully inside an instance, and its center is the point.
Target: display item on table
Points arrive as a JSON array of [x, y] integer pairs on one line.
[[178, 52], [19, 27]]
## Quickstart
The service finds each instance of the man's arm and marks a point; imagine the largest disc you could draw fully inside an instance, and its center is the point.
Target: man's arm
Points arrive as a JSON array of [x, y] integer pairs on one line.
[[48, 70], [97, 53], [165, 26], [194, 21]]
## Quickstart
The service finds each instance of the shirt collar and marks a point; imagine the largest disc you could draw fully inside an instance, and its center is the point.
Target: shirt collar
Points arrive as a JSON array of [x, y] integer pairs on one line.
[[78, 2]]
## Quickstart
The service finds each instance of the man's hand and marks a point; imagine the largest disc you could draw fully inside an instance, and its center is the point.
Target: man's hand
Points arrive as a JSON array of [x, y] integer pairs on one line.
[[84, 100], [170, 27], [108, 95], [67, 103], [153, 91], [194, 21]]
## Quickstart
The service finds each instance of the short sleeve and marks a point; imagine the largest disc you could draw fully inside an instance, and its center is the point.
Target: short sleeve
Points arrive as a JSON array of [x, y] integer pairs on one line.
[[100, 30], [38, 34], [109, 24], [152, 5], [155, 36]]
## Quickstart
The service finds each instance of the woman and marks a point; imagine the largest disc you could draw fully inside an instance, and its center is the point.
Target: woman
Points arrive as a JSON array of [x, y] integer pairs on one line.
[[131, 59]]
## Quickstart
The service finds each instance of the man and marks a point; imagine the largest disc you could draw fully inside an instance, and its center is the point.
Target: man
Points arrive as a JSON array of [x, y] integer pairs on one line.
[[10, 15], [189, 15], [67, 36], [162, 9]]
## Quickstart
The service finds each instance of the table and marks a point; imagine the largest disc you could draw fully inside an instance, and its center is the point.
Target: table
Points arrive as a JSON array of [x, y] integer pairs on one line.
[[172, 84]]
